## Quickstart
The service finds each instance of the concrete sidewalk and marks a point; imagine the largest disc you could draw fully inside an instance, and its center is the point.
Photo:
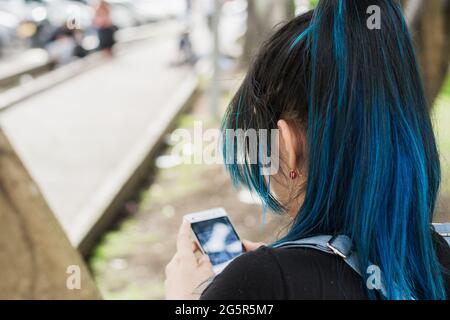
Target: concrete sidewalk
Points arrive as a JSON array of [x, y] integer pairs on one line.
[[81, 137]]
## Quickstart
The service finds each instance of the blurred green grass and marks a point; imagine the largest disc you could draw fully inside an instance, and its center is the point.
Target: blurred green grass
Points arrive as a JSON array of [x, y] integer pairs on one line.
[[446, 89], [313, 3], [441, 119]]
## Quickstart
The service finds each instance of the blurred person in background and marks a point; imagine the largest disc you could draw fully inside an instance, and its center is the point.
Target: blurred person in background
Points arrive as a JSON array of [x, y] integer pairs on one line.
[[105, 27], [65, 44], [186, 49], [62, 45], [358, 159]]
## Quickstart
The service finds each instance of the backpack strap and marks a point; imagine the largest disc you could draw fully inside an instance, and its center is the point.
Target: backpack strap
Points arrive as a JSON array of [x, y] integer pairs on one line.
[[443, 229], [338, 245]]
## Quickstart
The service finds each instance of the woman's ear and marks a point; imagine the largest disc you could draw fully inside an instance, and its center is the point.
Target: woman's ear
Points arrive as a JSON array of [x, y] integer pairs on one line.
[[288, 140]]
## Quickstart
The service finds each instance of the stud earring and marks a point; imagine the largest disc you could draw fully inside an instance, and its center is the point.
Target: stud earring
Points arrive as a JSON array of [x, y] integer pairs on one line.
[[293, 174]]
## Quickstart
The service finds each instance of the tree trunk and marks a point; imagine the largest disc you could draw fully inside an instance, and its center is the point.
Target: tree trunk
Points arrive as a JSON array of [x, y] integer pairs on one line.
[[263, 17], [429, 21], [35, 254], [430, 26]]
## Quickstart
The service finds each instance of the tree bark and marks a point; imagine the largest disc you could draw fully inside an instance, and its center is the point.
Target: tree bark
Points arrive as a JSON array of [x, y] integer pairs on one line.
[[34, 251], [429, 21], [430, 25], [263, 17]]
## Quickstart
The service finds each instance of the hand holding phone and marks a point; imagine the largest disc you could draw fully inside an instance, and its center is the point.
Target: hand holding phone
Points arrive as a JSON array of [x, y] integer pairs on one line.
[[186, 275], [216, 237]]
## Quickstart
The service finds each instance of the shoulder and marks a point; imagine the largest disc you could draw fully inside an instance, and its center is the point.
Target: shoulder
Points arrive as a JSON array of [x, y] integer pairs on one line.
[[253, 275], [440, 242], [268, 274], [442, 248]]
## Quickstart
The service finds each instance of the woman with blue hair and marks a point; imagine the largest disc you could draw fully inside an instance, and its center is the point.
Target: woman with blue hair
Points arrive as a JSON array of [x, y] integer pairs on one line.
[[358, 158]]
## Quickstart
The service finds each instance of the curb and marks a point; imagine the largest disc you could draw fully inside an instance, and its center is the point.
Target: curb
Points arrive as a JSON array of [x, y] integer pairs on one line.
[[9, 79], [127, 179]]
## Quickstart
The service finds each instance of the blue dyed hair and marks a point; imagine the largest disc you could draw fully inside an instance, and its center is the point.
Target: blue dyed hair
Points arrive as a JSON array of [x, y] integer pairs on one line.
[[373, 164]]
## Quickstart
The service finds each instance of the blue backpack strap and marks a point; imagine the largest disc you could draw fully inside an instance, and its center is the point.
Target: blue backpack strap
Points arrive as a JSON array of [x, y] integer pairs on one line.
[[443, 229], [339, 245]]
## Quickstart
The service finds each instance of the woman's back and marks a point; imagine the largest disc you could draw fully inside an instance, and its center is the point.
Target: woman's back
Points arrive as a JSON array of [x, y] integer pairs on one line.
[[297, 274]]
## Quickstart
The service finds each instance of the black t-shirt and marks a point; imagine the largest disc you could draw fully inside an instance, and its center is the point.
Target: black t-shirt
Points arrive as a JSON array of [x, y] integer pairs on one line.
[[297, 274]]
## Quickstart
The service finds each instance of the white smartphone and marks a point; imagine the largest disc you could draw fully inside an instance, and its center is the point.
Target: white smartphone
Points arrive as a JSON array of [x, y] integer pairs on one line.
[[216, 237]]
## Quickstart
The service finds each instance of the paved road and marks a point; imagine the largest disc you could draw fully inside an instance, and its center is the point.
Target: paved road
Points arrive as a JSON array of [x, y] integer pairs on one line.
[[73, 136]]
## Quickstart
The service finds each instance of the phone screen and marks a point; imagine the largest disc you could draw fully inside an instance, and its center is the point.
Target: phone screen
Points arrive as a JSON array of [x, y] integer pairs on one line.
[[218, 240]]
